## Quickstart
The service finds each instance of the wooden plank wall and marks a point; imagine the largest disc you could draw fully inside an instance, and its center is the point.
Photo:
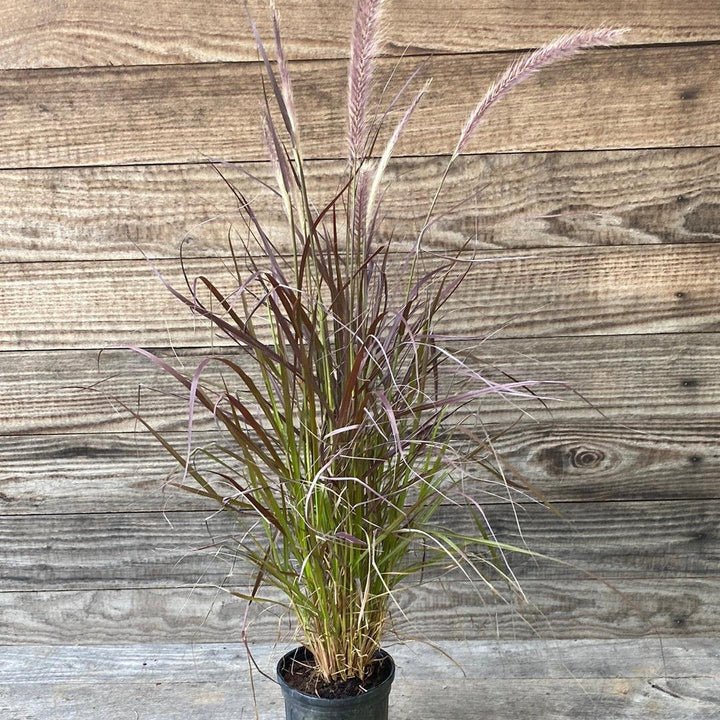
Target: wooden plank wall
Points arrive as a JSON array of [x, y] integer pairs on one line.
[[600, 185]]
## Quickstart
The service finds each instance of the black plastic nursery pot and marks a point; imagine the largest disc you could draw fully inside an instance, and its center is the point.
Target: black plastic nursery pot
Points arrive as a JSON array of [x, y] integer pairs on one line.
[[371, 705]]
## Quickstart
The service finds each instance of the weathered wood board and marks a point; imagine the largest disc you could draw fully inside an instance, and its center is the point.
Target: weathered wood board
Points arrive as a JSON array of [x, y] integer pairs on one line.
[[627, 380], [187, 113], [619, 699], [539, 200], [562, 681], [681, 607], [577, 461], [131, 32], [518, 660], [124, 550], [547, 292]]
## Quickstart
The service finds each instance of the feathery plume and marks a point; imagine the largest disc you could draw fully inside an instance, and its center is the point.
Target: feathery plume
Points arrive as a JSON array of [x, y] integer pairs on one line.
[[528, 64], [364, 48]]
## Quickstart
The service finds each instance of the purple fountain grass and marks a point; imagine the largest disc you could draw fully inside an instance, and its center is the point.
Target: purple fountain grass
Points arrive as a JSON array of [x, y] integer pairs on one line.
[[339, 404]]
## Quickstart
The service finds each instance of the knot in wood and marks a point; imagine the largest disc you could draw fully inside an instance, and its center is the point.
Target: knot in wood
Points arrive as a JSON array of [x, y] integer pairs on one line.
[[586, 458]]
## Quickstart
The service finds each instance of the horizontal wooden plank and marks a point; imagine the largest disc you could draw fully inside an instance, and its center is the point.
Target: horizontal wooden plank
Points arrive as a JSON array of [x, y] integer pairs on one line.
[[524, 201], [534, 659], [437, 611], [581, 462], [118, 472], [631, 379], [177, 689], [613, 98], [612, 540], [131, 32], [653, 460], [621, 699], [548, 292]]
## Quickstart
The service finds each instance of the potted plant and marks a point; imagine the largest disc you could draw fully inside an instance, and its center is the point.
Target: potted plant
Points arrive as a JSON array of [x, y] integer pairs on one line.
[[341, 407]]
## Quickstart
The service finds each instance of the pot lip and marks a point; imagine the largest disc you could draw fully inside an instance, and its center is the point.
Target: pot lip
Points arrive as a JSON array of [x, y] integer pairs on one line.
[[378, 690]]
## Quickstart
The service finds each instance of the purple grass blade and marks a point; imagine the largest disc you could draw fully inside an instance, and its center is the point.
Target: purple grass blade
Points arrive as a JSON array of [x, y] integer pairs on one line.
[[350, 538], [390, 412], [270, 249], [283, 70], [191, 411], [276, 155], [237, 334], [277, 92], [390, 147]]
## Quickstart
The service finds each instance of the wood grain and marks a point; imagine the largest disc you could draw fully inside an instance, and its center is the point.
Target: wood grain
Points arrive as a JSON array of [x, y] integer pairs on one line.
[[106, 116], [663, 539], [548, 292], [170, 683], [633, 380], [130, 32], [540, 658], [590, 461], [603, 462], [633, 608], [619, 699], [615, 98], [603, 198]]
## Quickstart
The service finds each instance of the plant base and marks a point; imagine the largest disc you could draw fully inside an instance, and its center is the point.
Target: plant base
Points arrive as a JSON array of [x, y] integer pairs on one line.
[[370, 705]]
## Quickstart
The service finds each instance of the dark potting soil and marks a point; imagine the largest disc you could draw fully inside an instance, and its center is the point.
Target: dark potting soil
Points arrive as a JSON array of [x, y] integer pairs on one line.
[[302, 675]]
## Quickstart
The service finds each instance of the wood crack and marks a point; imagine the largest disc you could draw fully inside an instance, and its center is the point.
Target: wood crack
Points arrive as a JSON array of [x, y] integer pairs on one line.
[[665, 690]]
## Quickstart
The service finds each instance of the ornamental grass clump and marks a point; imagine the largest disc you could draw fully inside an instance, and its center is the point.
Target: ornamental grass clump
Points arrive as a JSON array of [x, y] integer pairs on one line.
[[345, 418]]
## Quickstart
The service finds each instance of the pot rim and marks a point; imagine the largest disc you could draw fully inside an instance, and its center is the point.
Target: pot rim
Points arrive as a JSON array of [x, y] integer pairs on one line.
[[379, 690]]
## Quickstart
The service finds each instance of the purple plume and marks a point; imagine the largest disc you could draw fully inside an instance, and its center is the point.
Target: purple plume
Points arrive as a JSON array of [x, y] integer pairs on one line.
[[528, 64], [364, 48]]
